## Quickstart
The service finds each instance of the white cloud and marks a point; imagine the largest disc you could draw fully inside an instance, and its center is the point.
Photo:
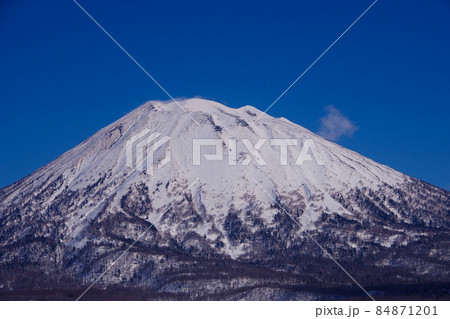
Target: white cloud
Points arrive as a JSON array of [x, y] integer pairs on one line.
[[335, 124]]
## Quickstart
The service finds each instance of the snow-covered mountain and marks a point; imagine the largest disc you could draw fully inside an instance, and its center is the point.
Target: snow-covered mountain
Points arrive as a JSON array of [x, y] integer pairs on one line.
[[219, 231]]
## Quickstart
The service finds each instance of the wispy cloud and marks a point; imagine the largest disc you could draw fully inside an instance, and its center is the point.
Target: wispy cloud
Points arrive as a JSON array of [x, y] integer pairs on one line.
[[335, 124]]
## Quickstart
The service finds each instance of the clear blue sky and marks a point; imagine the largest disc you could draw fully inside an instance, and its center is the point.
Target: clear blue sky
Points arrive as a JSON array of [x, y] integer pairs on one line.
[[62, 78]]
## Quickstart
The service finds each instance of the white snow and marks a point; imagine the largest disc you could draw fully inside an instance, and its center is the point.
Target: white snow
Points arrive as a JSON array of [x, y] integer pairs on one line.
[[220, 185]]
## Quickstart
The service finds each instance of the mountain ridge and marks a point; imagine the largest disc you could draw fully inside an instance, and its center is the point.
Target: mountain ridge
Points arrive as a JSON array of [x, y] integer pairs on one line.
[[75, 215]]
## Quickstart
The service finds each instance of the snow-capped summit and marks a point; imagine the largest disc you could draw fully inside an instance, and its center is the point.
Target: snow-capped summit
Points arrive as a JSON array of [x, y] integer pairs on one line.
[[215, 185]]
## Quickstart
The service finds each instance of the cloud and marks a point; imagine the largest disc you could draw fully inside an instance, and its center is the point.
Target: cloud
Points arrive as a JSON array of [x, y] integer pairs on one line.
[[335, 124]]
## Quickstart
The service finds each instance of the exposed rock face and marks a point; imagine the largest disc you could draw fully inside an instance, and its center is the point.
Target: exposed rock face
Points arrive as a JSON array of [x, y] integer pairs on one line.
[[215, 230]]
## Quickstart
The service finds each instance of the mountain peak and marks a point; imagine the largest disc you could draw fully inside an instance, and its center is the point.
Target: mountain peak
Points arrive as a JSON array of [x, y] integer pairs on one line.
[[188, 104], [217, 193], [196, 105]]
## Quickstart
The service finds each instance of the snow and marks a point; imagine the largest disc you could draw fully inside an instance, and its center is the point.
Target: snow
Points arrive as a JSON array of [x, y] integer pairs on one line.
[[220, 185]]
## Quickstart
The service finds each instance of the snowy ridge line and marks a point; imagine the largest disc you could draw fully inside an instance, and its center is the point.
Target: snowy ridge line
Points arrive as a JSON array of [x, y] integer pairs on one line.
[[68, 216]]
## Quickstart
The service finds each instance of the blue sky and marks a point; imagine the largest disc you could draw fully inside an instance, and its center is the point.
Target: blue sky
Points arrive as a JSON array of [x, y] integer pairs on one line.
[[62, 78]]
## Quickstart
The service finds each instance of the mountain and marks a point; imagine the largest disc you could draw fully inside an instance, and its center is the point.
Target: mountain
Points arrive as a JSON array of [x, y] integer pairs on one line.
[[106, 220]]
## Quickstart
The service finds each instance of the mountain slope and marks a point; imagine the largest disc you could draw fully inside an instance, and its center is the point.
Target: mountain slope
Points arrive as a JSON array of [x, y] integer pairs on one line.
[[220, 231]]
